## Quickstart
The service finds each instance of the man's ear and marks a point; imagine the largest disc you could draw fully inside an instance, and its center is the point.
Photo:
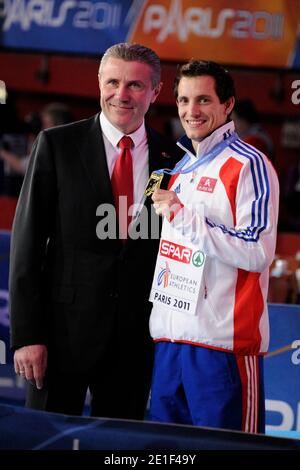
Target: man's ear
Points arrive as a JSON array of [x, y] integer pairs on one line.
[[157, 91], [229, 104]]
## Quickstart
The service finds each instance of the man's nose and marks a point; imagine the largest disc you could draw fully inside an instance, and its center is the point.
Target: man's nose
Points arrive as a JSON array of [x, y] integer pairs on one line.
[[122, 93], [194, 109]]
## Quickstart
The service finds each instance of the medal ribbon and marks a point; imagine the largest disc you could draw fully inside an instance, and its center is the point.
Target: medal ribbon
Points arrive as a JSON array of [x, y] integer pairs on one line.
[[218, 148]]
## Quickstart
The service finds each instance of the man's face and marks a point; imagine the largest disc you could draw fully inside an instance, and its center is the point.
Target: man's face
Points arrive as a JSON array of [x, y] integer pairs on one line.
[[126, 93], [199, 107]]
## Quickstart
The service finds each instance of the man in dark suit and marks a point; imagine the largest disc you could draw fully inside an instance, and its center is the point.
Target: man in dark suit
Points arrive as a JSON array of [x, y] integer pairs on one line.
[[79, 300]]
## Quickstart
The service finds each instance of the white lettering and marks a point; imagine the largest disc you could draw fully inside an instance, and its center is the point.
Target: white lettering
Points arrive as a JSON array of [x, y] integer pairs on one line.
[[286, 412], [295, 356], [298, 417], [138, 228], [225, 14], [263, 19], [103, 20], [258, 25], [4, 314], [195, 21], [15, 13], [2, 352], [62, 14], [106, 227], [35, 11], [177, 252], [116, 460], [85, 14], [296, 93], [241, 26], [174, 23], [155, 18], [81, 18]]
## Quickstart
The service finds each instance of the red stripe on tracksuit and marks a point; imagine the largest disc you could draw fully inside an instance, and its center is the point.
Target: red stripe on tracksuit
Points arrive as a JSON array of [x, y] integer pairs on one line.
[[247, 286], [229, 174], [249, 375], [173, 179], [180, 206], [248, 298]]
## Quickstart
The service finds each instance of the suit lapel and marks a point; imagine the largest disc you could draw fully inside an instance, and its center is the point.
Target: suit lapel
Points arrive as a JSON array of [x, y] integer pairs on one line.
[[93, 156], [158, 158], [155, 152]]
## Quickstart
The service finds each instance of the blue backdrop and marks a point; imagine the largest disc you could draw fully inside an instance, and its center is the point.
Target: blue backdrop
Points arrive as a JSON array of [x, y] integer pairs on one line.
[[67, 26]]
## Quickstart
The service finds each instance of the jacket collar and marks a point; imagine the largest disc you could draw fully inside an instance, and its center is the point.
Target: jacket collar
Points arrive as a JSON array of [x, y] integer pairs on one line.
[[219, 134], [114, 135]]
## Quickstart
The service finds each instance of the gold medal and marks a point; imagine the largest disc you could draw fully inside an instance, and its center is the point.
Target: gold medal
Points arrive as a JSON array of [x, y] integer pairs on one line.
[[153, 183]]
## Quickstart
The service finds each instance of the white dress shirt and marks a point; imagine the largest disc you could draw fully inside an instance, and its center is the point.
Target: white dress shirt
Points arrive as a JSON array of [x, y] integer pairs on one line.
[[140, 154]]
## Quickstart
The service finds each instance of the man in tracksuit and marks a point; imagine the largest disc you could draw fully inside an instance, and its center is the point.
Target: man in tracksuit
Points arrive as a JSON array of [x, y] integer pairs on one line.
[[209, 318]]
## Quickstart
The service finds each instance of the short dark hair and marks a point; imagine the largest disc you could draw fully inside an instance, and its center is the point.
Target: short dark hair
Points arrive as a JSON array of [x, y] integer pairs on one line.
[[224, 83], [134, 52]]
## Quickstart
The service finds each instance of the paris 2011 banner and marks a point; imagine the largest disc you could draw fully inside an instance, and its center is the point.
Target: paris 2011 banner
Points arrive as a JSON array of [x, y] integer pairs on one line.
[[257, 33]]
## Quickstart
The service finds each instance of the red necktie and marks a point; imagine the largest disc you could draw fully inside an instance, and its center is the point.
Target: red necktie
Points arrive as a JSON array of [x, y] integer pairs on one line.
[[122, 184]]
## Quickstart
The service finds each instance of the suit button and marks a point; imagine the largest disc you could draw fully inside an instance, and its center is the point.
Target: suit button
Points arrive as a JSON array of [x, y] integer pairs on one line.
[[116, 295]]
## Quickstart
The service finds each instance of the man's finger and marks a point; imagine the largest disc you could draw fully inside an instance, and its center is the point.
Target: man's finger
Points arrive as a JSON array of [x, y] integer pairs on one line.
[[159, 194], [39, 384], [19, 370], [17, 366], [28, 373], [38, 375]]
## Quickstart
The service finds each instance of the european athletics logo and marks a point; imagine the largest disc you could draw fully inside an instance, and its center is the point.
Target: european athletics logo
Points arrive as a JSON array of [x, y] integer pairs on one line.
[[164, 276]]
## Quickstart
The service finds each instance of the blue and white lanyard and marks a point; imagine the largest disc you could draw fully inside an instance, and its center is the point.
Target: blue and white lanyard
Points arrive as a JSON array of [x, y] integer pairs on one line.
[[218, 148]]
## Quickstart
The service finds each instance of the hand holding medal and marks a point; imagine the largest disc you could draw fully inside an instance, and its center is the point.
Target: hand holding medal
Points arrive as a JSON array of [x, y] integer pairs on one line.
[[166, 202]]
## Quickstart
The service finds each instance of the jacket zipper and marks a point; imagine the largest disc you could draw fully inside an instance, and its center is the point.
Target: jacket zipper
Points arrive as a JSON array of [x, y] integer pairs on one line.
[[205, 291], [205, 287]]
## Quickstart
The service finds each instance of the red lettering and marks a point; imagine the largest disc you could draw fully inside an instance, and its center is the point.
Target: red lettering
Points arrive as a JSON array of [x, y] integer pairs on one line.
[[176, 252]]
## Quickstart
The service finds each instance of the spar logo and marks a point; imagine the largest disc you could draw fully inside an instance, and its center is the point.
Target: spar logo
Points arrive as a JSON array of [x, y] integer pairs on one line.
[[176, 252]]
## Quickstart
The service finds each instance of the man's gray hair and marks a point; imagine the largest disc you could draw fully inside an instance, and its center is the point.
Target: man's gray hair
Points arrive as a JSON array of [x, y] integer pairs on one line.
[[134, 52]]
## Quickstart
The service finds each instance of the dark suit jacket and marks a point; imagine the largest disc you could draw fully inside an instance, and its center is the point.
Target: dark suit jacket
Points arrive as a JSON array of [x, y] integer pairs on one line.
[[68, 289]]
